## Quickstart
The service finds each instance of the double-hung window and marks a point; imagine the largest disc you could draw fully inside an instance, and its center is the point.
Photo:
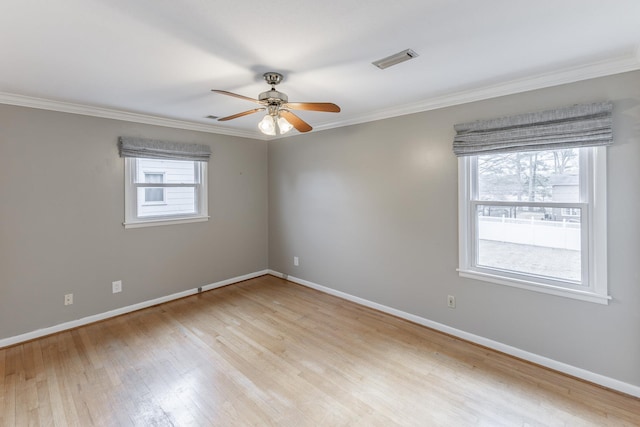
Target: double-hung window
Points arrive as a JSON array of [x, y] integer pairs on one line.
[[532, 208], [165, 182]]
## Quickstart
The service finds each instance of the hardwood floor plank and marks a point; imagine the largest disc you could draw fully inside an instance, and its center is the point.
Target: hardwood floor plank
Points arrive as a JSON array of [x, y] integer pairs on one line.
[[269, 352]]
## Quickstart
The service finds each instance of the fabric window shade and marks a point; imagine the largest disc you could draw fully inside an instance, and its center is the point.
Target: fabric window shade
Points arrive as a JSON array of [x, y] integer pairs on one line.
[[576, 126], [155, 149]]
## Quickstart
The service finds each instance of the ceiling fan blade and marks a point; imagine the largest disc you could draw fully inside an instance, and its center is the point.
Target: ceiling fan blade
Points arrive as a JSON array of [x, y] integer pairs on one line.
[[297, 122], [246, 98], [244, 113], [313, 106]]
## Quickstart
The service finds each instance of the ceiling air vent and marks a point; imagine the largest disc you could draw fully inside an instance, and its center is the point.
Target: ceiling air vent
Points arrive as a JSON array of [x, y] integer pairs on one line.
[[394, 59]]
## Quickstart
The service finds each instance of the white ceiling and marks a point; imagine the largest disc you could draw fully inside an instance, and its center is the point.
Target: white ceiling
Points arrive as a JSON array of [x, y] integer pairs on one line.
[[153, 60]]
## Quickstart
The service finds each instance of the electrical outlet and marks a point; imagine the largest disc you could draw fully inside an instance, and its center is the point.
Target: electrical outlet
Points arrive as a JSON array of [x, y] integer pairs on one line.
[[116, 286], [68, 299], [296, 261], [451, 301]]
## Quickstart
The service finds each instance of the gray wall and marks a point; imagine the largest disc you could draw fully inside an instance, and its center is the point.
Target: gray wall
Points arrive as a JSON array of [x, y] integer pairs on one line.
[[371, 210], [61, 214]]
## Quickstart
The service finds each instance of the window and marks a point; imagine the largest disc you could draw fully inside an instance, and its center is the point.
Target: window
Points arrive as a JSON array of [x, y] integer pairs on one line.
[[165, 183], [175, 191], [534, 219]]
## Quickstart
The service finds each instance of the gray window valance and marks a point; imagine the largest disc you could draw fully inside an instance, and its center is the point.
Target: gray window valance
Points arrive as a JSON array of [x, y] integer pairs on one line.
[[155, 149], [576, 126]]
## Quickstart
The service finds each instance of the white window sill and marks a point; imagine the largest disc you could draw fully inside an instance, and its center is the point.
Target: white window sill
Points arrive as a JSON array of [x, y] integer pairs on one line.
[[164, 221], [537, 287]]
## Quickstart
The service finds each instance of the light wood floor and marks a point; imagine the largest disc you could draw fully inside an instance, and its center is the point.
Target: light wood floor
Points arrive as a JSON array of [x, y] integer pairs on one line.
[[269, 352]]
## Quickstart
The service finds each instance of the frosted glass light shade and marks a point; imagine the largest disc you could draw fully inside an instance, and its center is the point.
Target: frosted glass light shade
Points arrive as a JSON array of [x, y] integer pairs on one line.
[[284, 125], [267, 125]]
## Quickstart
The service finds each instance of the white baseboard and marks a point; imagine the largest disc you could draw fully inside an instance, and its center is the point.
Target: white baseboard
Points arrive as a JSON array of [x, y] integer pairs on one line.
[[595, 378], [123, 310], [573, 371]]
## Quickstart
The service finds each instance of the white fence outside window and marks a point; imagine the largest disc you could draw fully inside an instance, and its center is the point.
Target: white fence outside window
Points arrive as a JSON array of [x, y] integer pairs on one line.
[[545, 233]]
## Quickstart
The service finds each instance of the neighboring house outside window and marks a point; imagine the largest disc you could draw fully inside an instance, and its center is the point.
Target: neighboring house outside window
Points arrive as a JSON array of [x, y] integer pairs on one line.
[[154, 195], [565, 188]]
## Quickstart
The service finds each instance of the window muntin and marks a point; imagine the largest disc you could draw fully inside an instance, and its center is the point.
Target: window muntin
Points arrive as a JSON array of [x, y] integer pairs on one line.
[[160, 191], [529, 220]]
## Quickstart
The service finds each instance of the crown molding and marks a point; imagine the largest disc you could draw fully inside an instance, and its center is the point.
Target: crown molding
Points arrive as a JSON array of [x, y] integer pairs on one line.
[[629, 61], [107, 113]]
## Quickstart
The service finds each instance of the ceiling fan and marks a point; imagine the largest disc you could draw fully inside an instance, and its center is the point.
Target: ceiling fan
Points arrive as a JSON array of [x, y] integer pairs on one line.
[[277, 105]]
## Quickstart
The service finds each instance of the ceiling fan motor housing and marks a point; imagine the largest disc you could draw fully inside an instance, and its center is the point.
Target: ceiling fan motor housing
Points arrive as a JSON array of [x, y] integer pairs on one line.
[[273, 97]]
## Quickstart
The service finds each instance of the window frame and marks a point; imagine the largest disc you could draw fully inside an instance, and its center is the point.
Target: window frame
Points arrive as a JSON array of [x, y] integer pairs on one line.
[[593, 229], [132, 220]]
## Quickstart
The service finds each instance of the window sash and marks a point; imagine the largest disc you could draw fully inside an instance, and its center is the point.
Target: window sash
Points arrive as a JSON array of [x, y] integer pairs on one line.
[[474, 265]]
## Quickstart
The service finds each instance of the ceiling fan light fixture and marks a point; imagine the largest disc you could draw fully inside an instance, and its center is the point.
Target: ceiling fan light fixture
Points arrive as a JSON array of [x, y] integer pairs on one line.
[[395, 59], [284, 125], [279, 119], [267, 125]]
